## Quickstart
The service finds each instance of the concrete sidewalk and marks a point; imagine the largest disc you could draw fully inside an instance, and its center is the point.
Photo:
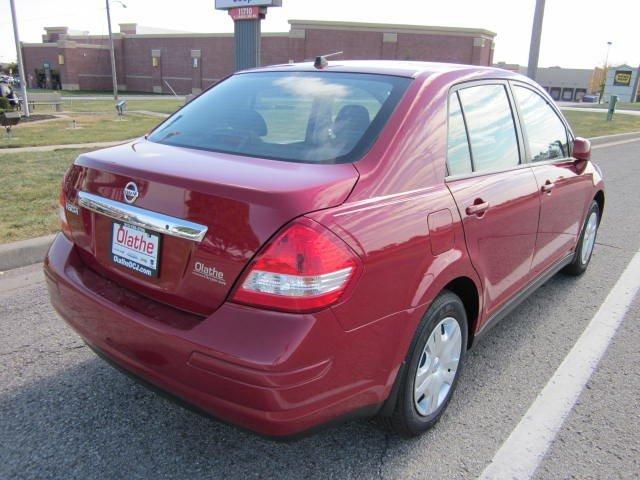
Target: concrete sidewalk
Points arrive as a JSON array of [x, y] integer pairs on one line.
[[122, 97], [150, 113], [600, 110], [49, 148]]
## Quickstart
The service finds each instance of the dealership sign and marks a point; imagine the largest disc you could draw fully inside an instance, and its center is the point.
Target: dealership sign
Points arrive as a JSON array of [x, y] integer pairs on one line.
[[622, 78], [228, 4]]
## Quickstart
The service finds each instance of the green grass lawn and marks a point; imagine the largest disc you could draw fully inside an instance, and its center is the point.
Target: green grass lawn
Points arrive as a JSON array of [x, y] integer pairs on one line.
[[34, 179], [89, 128], [593, 124]]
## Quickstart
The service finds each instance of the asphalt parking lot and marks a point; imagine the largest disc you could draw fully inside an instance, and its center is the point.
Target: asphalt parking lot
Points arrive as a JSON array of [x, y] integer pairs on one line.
[[64, 413]]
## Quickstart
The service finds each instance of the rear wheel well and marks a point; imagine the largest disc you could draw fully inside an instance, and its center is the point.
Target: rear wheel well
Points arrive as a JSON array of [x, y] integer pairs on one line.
[[599, 198], [464, 288]]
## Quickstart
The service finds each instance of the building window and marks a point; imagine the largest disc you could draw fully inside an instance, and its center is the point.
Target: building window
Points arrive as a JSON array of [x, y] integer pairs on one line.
[[194, 62], [155, 61], [60, 59]]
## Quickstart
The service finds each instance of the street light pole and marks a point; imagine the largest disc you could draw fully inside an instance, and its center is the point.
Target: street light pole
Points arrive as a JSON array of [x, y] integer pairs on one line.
[[604, 74], [536, 33], [113, 54], [23, 74], [606, 58]]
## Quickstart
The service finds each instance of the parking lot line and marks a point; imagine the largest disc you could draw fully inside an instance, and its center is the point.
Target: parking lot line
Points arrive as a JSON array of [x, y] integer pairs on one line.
[[519, 456]]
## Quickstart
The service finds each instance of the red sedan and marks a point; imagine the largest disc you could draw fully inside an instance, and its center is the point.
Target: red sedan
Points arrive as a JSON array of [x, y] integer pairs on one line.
[[298, 245]]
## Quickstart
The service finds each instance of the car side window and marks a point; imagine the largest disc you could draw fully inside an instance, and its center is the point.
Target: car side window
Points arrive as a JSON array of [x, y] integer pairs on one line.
[[545, 132], [492, 131], [458, 154]]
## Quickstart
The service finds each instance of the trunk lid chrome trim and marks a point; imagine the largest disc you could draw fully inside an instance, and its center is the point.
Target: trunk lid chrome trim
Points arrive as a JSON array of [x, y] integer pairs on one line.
[[176, 227]]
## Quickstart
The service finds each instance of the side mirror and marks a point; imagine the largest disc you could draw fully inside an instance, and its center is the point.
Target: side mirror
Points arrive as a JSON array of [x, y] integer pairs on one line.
[[581, 149]]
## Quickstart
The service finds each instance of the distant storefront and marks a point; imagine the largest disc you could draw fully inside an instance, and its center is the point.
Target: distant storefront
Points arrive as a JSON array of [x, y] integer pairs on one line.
[[622, 81], [563, 84]]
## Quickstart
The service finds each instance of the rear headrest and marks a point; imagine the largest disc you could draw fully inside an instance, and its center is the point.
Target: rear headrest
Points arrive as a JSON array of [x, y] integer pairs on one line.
[[354, 114], [350, 124], [248, 119]]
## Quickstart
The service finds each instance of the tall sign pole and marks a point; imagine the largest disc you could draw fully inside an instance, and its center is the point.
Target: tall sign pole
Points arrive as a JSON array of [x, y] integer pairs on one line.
[[247, 34], [247, 16], [536, 33], [113, 55], [23, 74], [604, 75]]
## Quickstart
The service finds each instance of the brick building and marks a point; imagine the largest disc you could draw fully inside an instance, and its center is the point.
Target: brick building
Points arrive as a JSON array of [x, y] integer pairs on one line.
[[190, 62]]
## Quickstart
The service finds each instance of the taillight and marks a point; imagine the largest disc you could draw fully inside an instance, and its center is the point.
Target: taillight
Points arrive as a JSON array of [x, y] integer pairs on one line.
[[62, 212], [306, 267]]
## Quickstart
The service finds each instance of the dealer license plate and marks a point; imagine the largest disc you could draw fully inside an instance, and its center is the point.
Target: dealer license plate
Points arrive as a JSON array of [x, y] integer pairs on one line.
[[135, 248]]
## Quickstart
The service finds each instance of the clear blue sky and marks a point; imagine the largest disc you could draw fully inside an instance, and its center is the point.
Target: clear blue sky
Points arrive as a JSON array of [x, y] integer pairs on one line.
[[575, 31]]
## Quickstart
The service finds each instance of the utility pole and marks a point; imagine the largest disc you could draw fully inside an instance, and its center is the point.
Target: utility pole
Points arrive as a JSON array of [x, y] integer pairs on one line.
[[113, 55], [536, 33], [604, 74], [23, 74]]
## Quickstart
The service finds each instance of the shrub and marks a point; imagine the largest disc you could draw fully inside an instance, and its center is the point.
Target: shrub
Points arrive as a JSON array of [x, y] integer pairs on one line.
[[4, 104]]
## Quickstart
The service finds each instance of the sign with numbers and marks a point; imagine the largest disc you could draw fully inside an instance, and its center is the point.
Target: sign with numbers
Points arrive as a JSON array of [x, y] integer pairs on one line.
[[229, 4], [245, 13]]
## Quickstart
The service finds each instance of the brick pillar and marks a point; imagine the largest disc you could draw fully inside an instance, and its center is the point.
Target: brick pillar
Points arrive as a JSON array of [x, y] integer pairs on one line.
[[478, 46], [156, 75], [62, 57], [196, 71], [389, 46], [121, 72], [297, 38]]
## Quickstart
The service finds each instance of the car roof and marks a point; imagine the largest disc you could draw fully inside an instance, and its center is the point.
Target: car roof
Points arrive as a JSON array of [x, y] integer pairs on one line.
[[400, 68]]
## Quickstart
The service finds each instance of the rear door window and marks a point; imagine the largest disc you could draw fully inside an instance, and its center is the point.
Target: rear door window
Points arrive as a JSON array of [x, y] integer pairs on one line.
[[491, 127], [545, 133], [315, 117]]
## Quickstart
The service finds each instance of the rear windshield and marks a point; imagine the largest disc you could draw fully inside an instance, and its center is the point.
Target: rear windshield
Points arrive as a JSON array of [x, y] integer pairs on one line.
[[315, 117]]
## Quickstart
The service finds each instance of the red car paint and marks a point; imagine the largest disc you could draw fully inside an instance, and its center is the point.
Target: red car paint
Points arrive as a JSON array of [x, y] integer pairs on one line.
[[410, 229]]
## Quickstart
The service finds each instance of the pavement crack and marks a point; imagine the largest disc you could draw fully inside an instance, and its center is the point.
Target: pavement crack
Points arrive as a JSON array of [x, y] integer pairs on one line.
[[383, 453], [609, 245], [42, 352]]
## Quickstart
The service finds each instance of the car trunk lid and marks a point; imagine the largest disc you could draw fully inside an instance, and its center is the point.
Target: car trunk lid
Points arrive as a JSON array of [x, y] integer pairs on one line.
[[235, 204]]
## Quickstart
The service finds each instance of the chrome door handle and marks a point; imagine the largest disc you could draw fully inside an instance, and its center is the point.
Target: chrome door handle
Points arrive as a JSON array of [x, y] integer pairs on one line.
[[548, 186], [477, 208]]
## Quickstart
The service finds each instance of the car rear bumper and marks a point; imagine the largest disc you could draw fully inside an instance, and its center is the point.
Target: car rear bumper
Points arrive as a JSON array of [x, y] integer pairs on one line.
[[274, 373]]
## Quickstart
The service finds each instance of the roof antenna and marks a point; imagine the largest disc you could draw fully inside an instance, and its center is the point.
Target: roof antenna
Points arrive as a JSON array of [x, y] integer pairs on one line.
[[322, 62]]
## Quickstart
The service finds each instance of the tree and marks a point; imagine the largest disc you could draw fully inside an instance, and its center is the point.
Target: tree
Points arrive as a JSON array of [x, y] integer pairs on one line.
[[9, 67]]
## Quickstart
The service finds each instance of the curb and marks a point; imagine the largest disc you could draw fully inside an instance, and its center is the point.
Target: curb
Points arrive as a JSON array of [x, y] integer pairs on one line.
[[24, 252], [604, 138]]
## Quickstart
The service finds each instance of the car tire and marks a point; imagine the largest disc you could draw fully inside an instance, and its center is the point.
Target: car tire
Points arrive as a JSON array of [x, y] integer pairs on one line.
[[440, 343], [586, 242]]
